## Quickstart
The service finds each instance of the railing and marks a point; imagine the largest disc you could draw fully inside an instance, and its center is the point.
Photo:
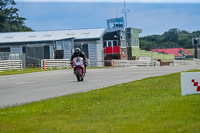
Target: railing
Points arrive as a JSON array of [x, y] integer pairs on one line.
[[10, 65], [55, 63], [128, 63], [187, 62]]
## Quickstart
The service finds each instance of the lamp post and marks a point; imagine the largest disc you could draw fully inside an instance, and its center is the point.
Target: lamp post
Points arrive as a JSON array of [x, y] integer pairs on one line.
[[125, 12]]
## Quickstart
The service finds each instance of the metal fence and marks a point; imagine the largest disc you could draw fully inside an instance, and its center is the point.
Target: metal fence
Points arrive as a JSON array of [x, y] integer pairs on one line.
[[128, 63], [34, 55], [10, 65], [13, 56], [187, 62], [55, 63], [4, 55]]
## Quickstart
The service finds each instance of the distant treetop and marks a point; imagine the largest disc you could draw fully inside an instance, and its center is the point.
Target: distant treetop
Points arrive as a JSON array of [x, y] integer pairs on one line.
[[10, 21]]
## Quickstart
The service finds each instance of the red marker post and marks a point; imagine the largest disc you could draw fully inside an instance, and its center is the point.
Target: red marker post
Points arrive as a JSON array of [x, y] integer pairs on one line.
[[114, 63], [44, 65]]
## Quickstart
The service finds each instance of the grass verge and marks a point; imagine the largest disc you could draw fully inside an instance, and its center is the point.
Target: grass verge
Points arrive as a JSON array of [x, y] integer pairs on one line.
[[150, 105], [25, 70]]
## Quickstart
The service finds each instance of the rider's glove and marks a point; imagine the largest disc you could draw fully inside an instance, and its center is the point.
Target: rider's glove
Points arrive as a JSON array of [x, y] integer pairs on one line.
[[85, 63]]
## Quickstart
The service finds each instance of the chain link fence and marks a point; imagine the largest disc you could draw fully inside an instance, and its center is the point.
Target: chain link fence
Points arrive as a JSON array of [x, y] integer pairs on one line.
[[34, 55]]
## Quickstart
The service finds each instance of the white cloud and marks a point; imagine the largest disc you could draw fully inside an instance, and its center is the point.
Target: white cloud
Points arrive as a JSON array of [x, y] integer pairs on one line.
[[134, 1]]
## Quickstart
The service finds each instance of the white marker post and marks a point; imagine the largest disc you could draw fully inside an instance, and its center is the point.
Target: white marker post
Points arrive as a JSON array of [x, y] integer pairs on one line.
[[190, 83]]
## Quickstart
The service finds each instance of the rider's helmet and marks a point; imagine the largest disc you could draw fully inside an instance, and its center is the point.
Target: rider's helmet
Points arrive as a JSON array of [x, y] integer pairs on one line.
[[77, 51]]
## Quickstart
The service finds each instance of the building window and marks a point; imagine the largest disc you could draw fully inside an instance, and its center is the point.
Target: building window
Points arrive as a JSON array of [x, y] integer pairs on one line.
[[119, 25], [6, 49], [115, 43], [24, 49], [135, 42], [123, 51], [123, 35], [104, 44], [123, 44], [109, 43], [16, 49], [132, 42], [132, 32], [111, 25]]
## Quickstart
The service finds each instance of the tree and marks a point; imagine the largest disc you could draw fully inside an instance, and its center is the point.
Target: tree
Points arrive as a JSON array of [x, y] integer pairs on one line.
[[9, 18], [170, 39], [171, 35]]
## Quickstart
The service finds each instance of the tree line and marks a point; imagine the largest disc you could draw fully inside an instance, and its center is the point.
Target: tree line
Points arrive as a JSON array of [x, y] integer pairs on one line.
[[174, 38], [10, 21]]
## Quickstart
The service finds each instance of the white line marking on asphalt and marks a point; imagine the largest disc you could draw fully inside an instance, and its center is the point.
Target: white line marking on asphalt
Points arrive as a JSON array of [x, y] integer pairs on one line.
[[24, 83]]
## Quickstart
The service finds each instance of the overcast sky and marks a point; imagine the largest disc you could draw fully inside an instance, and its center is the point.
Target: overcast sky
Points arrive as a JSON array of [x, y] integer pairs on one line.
[[152, 16]]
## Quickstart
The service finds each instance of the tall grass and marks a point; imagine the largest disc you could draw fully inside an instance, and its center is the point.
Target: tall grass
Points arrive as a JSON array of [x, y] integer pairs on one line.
[[150, 105]]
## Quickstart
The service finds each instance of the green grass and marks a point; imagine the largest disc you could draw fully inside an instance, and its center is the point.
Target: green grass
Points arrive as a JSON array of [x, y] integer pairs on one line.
[[25, 70], [150, 105]]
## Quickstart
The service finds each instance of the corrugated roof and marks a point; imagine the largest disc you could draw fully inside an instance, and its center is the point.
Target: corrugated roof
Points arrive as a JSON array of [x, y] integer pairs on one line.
[[174, 51], [51, 35]]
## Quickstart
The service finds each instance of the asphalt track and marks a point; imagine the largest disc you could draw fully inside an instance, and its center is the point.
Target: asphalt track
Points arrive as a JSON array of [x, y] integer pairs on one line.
[[25, 88]]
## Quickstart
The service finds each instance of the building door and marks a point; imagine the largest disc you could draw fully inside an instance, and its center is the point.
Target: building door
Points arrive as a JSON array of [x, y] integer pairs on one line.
[[46, 52], [84, 48], [59, 54], [93, 55]]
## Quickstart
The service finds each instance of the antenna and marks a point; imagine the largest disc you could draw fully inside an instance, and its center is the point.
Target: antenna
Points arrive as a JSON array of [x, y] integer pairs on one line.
[[125, 12]]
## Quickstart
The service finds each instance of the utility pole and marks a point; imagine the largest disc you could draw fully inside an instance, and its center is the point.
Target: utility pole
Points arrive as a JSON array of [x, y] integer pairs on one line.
[[125, 12]]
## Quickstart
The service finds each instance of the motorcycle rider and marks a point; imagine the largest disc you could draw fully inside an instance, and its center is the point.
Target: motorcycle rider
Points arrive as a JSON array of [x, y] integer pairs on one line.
[[78, 53]]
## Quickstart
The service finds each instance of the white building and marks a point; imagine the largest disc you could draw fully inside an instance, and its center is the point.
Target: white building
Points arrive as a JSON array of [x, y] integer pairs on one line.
[[55, 44]]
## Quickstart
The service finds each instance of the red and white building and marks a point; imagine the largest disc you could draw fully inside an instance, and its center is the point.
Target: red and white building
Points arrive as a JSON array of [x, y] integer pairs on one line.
[[115, 46], [179, 53]]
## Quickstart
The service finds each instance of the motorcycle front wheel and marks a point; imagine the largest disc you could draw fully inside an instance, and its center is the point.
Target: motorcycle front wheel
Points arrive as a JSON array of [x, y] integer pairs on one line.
[[78, 75]]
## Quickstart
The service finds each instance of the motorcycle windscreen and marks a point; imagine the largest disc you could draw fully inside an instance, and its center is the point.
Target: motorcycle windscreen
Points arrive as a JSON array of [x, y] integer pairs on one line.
[[78, 59]]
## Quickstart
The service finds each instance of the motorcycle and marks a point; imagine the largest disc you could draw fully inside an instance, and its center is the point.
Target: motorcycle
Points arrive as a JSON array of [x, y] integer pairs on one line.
[[79, 68]]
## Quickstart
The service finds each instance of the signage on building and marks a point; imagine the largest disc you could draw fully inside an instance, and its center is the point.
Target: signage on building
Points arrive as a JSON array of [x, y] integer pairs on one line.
[[190, 83]]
